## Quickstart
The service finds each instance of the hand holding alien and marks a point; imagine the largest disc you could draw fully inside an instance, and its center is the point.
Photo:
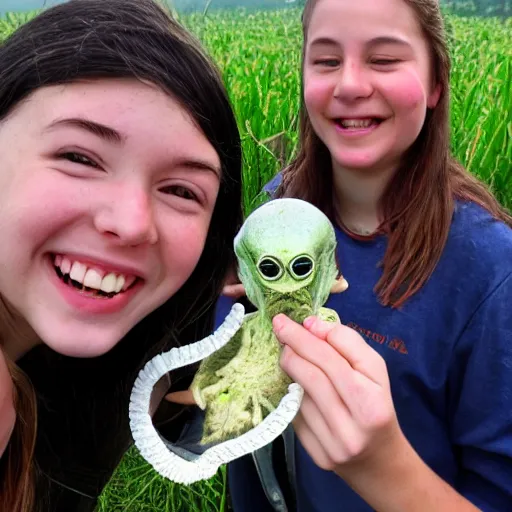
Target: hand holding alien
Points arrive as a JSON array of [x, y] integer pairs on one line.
[[347, 420]]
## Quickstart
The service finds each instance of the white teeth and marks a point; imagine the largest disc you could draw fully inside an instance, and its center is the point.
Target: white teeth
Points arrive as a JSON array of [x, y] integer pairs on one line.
[[356, 123], [78, 271], [92, 279], [119, 283], [65, 266], [109, 282]]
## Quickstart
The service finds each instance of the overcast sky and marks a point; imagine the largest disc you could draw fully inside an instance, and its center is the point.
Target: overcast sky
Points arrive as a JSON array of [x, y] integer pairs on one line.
[[25, 5]]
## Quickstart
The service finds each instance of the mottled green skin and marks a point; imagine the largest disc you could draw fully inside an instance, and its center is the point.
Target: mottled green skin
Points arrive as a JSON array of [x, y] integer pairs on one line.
[[240, 384]]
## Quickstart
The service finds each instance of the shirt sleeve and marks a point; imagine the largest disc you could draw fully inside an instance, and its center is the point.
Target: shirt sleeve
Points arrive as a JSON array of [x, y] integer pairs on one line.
[[222, 309], [480, 403]]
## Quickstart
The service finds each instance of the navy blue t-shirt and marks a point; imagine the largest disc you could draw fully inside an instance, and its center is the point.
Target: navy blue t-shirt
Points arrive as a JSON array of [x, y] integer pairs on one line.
[[449, 356]]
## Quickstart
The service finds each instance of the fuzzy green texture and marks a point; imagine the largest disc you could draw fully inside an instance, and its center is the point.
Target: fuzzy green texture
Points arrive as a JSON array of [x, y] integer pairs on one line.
[[240, 384], [297, 305], [239, 393]]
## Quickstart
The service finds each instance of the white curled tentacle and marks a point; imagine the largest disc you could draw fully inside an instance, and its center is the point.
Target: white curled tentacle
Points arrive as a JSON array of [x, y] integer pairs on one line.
[[204, 466]]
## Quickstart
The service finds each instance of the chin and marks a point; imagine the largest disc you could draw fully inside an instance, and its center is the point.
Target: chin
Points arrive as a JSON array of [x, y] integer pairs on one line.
[[71, 345], [355, 164], [362, 161]]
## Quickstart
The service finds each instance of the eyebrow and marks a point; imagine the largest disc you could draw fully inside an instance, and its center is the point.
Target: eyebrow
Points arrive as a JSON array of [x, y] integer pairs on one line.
[[201, 165], [327, 41], [111, 135], [388, 40], [100, 130]]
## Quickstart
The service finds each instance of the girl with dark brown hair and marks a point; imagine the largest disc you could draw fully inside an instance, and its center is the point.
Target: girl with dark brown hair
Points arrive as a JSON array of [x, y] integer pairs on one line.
[[408, 404], [120, 195]]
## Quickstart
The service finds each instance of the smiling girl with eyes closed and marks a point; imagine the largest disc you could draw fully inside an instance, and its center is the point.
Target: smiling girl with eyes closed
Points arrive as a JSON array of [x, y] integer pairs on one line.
[[408, 404]]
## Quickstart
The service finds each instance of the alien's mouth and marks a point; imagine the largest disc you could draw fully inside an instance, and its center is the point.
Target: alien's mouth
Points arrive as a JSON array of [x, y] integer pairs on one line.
[[297, 305], [91, 281]]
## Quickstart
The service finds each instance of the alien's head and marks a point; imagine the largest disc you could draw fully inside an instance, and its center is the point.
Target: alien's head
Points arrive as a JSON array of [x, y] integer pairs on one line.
[[285, 245]]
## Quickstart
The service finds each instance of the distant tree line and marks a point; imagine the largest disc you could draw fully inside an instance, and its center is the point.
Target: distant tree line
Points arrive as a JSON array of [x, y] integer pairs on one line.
[[502, 8]]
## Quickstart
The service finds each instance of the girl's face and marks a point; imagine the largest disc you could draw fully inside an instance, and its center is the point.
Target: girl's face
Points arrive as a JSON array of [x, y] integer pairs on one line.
[[367, 81], [7, 412], [107, 189]]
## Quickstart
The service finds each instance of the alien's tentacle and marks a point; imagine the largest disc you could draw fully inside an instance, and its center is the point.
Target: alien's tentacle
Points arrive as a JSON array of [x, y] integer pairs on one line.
[[202, 467], [259, 401], [145, 437], [266, 403], [213, 390]]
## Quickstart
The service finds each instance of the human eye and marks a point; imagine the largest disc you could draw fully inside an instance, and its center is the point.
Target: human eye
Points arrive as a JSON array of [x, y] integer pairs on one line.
[[329, 63], [180, 191], [77, 158], [384, 61]]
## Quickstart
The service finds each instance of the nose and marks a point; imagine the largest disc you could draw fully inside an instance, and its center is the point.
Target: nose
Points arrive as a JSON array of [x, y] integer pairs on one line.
[[353, 82], [128, 216]]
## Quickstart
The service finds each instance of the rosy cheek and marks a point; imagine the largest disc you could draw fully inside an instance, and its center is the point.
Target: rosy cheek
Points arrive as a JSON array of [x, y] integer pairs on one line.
[[407, 92], [58, 209], [184, 245], [317, 93]]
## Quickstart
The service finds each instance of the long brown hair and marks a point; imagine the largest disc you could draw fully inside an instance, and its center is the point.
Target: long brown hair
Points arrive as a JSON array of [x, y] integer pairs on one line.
[[418, 203], [16, 465]]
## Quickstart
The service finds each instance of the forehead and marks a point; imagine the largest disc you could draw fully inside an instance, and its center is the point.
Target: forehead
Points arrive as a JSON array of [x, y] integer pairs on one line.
[[363, 20], [285, 230], [110, 100], [145, 116]]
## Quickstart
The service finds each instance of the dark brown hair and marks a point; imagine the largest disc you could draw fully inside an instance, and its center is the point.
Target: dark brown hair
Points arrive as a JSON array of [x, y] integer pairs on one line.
[[83, 427], [16, 464], [418, 204]]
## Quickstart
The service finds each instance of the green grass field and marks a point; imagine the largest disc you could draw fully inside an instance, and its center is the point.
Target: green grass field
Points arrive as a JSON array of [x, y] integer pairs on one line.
[[258, 53]]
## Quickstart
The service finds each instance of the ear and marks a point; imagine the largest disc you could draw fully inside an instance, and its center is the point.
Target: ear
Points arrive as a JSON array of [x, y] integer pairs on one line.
[[435, 94]]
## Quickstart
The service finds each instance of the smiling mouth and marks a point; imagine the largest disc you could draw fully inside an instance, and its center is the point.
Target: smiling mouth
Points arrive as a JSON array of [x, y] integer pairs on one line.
[[358, 124], [91, 281]]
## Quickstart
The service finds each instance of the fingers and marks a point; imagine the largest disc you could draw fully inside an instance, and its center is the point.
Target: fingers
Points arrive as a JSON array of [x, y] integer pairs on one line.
[[319, 387], [310, 442], [344, 340], [234, 290], [312, 348], [358, 353], [311, 362], [181, 397], [327, 448], [312, 417]]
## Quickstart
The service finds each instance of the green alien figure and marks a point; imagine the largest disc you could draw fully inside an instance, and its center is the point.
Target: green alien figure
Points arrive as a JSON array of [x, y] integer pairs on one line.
[[286, 258], [286, 253]]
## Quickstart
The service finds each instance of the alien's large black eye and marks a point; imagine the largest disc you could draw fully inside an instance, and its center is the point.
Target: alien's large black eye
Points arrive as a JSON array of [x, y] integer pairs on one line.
[[270, 268], [302, 266]]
